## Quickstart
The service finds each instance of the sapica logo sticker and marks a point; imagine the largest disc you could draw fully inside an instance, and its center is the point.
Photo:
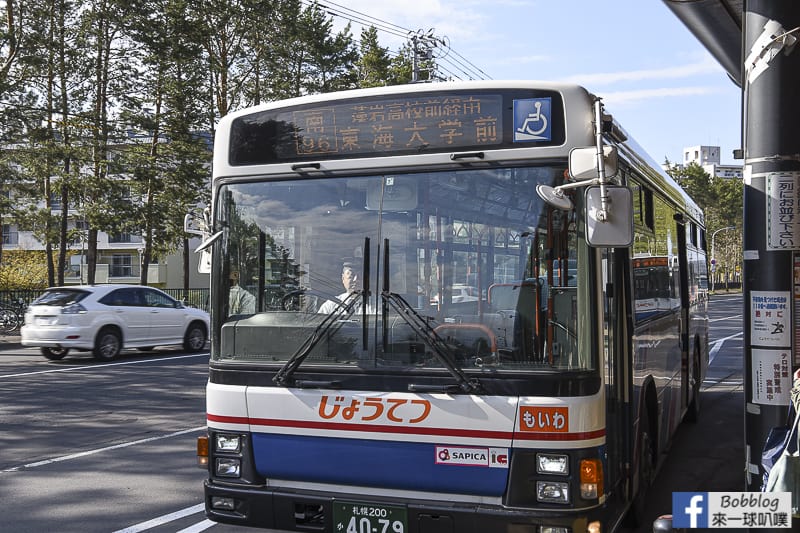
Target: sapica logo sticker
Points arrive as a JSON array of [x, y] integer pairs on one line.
[[469, 456]]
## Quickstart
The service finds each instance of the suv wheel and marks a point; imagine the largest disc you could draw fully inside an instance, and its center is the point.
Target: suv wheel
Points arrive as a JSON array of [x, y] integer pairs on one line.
[[107, 345], [195, 338], [55, 354]]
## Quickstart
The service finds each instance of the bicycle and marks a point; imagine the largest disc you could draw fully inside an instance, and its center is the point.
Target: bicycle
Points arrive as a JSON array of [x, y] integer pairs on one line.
[[12, 315]]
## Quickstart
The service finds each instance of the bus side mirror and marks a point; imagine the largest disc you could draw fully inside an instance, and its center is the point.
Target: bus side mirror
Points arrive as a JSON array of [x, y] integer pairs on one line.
[[204, 264], [615, 230], [583, 162]]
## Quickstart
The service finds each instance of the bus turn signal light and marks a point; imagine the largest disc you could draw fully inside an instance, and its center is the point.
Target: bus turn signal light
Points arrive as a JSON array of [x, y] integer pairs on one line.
[[591, 479], [202, 451]]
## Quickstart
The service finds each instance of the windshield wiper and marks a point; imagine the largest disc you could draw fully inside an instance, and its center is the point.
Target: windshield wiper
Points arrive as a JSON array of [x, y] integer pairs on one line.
[[440, 348], [337, 317], [421, 327]]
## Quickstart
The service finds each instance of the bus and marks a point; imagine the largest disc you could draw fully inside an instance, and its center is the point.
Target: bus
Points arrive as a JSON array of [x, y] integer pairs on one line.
[[361, 392]]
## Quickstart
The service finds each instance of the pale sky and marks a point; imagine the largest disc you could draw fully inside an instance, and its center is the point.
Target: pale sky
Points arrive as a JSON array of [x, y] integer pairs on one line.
[[657, 80]]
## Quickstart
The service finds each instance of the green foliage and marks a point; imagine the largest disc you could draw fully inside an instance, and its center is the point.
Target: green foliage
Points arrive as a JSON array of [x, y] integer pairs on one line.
[[113, 105], [23, 270], [374, 62], [722, 202]]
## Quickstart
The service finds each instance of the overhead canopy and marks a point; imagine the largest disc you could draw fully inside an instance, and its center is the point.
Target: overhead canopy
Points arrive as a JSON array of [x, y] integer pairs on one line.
[[717, 24]]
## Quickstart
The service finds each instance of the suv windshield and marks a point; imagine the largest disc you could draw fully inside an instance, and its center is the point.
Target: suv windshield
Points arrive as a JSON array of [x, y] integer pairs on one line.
[[464, 266]]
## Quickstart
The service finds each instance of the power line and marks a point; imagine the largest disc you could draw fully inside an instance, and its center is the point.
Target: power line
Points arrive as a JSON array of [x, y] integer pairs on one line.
[[401, 30], [458, 63]]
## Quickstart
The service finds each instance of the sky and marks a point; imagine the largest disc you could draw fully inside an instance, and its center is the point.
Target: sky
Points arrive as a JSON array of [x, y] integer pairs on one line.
[[655, 78]]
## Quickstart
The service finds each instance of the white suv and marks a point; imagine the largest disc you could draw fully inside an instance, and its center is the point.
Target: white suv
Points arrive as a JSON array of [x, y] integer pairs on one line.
[[107, 318]]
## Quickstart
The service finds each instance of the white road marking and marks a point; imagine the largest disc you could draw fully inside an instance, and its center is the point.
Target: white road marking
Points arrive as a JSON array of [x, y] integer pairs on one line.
[[161, 520], [99, 450], [197, 528], [718, 344], [101, 366], [725, 318]]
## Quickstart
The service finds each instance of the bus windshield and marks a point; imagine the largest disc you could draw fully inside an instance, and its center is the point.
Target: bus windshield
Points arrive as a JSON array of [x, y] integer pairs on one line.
[[411, 271]]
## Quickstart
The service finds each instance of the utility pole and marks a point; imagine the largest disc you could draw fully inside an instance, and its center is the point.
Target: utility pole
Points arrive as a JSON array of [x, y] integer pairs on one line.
[[771, 83], [422, 46]]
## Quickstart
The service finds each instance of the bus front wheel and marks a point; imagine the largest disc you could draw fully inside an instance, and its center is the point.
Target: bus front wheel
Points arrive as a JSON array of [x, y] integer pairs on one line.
[[646, 471]]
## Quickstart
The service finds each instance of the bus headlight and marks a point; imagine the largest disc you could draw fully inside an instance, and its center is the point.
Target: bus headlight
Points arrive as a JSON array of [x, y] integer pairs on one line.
[[228, 467], [550, 463], [552, 491], [228, 443]]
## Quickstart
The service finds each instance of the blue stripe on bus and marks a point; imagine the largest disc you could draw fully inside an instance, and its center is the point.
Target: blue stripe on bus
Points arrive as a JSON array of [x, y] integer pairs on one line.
[[385, 464]]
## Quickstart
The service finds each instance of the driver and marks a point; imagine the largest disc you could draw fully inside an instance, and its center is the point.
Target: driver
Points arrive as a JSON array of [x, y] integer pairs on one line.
[[351, 282]]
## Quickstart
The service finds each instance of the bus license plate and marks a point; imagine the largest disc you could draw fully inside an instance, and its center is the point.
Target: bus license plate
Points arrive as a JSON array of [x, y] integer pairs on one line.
[[359, 517]]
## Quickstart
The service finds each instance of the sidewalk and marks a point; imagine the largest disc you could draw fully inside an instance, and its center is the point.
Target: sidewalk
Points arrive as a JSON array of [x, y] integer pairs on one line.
[[10, 341]]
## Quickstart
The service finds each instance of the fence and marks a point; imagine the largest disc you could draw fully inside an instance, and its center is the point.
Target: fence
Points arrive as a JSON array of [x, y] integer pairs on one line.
[[192, 297]]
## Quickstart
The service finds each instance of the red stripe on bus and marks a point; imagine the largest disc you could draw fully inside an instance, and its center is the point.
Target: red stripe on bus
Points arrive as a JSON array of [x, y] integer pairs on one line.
[[582, 435], [407, 430]]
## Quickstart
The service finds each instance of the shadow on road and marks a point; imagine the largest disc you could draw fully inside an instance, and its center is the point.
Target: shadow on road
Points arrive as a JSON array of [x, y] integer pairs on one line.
[[706, 456]]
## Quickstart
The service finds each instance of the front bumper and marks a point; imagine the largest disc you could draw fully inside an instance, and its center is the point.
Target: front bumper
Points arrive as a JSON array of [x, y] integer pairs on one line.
[[292, 510]]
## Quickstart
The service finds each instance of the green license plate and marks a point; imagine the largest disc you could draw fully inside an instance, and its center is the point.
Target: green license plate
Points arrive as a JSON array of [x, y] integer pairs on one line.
[[359, 517]]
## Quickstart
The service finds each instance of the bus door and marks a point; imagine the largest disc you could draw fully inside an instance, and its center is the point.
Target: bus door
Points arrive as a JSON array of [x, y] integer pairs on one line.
[[618, 359], [682, 275]]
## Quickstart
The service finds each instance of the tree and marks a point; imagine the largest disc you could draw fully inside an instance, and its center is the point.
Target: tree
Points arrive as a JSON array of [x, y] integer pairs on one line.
[[401, 69], [722, 203], [695, 181], [111, 78], [374, 62], [165, 168]]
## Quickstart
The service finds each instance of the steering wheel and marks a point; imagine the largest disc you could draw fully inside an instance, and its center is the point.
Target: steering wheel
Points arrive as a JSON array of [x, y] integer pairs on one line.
[[291, 300]]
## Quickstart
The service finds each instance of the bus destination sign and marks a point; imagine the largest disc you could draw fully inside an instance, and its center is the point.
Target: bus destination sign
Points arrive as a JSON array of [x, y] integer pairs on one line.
[[415, 124], [381, 126]]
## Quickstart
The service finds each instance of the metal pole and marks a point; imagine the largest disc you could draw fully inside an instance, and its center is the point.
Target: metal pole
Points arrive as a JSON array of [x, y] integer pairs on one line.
[[771, 83], [714, 255]]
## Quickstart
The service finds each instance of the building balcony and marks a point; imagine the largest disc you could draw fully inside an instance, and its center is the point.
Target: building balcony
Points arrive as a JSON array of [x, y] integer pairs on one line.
[[105, 273]]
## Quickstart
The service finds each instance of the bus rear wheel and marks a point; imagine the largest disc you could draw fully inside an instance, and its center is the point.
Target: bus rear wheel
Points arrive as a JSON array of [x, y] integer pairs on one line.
[[693, 411]]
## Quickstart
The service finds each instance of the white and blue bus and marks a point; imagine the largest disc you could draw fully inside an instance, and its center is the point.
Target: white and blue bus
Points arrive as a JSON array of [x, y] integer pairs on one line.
[[424, 313]]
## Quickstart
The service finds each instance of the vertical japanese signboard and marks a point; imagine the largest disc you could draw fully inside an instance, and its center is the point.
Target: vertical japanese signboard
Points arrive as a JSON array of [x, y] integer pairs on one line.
[[770, 322], [796, 284], [783, 211]]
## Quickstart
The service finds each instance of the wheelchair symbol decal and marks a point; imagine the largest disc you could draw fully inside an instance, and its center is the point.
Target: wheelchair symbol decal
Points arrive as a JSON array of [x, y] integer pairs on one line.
[[531, 119]]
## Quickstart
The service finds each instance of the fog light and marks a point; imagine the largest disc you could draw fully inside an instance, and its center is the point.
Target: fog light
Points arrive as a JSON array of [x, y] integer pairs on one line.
[[552, 491], [222, 504], [553, 529], [228, 466], [548, 463], [228, 443]]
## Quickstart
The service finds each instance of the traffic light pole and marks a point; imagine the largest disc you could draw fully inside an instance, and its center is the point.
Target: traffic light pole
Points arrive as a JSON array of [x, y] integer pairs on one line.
[[771, 83]]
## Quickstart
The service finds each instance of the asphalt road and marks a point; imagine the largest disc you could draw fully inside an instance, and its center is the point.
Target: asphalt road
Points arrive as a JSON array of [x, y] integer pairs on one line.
[[709, 456], [109, 447]]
